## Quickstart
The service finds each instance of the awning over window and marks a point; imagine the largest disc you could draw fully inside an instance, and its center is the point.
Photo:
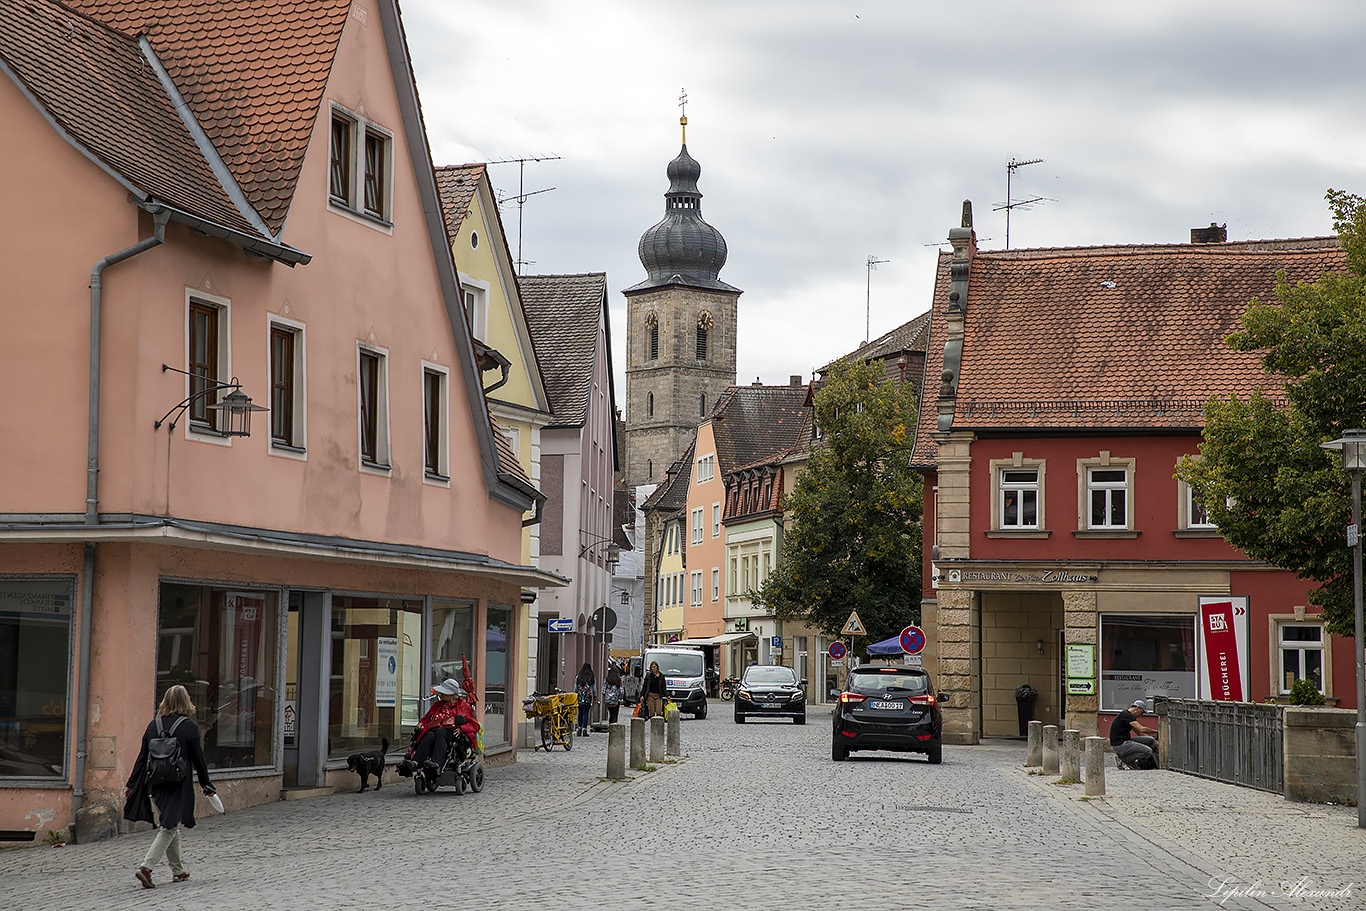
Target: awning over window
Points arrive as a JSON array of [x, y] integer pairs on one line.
[[723, 639]]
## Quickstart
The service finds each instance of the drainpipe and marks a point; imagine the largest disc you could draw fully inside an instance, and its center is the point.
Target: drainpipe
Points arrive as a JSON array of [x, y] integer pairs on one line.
[[160, 216]]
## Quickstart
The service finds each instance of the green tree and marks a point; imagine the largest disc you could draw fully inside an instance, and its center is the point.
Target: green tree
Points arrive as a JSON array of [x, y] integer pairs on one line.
[[855, 539], [1273, 492]]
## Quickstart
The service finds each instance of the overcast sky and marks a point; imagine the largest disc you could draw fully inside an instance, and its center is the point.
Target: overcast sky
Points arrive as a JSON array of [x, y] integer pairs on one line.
[[830, 131]]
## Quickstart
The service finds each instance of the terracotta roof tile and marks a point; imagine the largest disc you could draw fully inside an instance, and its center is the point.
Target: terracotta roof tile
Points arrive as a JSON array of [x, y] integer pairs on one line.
[[507, 456], [456, 185], [563, 313], [96, 84], [751, 423], [252, 71], [1107, 337]]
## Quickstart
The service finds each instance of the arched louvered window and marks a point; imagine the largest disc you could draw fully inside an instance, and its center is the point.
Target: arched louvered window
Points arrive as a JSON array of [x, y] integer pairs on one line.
[[704, 326], [652, 324]]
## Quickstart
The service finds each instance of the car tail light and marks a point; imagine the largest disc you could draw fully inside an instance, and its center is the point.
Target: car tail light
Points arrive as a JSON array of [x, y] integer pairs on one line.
[[847, 698], [922, 700]]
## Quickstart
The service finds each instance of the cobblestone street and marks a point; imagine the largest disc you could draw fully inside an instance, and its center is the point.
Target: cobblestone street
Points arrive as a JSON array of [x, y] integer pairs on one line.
[[756, 816]]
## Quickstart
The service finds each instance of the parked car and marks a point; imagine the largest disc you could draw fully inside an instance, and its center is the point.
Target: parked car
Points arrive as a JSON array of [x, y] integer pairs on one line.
[[888, 708], [770, 690]]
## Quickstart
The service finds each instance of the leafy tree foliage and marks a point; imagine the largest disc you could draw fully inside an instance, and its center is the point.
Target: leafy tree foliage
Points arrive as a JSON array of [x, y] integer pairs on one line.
[[1273, 492], [855, 539]]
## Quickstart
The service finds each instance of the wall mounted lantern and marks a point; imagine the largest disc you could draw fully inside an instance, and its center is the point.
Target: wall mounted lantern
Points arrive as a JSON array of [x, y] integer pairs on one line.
[[235, 409]]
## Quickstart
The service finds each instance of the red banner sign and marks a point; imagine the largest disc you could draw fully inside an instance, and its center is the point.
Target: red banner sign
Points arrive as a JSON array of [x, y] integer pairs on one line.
[[1222, 664]]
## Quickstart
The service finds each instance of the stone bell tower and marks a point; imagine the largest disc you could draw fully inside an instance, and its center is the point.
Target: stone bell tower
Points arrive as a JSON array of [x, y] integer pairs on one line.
[[680, 328]]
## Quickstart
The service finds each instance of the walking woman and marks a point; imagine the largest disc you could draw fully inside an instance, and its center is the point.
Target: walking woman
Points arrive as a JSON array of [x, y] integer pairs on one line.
[[586, 686], [611, 693], [652, 691], [174, 800]]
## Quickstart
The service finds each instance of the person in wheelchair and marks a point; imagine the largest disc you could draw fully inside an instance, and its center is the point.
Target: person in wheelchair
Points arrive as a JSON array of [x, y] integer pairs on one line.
[[444, 725]]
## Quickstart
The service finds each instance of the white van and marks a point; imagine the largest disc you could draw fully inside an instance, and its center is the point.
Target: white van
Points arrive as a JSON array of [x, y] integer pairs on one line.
[[685, 675]]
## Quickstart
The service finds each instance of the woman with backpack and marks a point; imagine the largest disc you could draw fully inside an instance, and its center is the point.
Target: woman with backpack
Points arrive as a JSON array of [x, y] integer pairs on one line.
[[170, 757], [586, 687], [611, 693]]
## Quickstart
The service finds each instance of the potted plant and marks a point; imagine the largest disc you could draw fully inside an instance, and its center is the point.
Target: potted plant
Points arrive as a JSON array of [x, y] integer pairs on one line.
[[1024, 705]]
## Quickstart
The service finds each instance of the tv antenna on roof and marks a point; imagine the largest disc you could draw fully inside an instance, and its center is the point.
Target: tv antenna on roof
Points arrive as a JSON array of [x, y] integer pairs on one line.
[[522, 195], [868, 298], [1011, 167]]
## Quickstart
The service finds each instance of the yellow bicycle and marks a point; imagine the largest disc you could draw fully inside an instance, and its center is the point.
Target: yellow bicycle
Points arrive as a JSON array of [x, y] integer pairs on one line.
[[557, 712]]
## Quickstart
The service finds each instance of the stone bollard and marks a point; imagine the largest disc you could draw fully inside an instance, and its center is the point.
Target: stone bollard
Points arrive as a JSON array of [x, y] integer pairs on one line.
[[657, 738], [637, 743], [1071, 755], [673, 741], [1095, 766], [616, 751], [1050, 749], [1034, 751]]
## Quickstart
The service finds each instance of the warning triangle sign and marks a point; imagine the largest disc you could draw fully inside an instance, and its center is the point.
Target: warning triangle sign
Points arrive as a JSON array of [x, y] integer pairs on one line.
[[853, 626]]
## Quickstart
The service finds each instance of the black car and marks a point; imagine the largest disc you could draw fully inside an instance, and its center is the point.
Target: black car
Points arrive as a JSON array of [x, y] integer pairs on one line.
[[770, 690], [888, 708]]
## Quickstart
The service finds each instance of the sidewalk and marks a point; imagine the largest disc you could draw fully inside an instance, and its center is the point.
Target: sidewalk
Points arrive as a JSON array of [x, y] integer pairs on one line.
[[1290, 852]]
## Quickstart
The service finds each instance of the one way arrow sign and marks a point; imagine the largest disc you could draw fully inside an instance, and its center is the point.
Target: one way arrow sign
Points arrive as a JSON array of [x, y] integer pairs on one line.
[[853, 626]]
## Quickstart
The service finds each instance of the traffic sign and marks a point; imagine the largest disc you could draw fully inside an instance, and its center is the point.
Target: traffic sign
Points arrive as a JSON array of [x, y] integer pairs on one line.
[[1353, 535], [777, 642], [837, 650], [853, 626], [673, 637], [912, 640], [604, 619], [912, 661], [560, 625]]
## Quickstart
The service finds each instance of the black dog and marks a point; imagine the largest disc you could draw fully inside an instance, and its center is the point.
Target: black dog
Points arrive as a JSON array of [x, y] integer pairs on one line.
[[367, 764]]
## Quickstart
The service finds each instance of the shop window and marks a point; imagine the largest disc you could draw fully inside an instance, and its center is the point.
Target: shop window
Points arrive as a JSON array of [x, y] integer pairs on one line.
[[497, 717], [1145, 655], [221, 645], [376, 677], [1302, 654], [35, 654]]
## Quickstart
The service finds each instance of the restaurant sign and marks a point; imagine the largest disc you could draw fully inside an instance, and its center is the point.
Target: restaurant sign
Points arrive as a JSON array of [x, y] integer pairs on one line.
[[1017, 576]]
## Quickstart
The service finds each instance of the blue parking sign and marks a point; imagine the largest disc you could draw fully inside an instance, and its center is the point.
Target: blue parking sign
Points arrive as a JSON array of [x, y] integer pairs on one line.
[[777, 641]]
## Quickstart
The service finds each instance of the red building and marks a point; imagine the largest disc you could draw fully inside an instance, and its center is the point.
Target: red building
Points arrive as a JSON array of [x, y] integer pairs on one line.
[[1063, 385]]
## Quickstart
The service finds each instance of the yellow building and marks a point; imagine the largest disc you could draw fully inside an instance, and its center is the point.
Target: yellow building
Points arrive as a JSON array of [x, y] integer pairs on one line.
[[513, 382]]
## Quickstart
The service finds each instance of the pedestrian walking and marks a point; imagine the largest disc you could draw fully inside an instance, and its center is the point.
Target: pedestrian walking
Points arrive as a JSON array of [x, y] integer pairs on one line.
[[611, 693], [178, 736], [653, 691], [586, 687]]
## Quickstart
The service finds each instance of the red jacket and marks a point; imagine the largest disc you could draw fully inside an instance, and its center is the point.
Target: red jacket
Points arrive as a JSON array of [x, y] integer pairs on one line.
[[442, 714]]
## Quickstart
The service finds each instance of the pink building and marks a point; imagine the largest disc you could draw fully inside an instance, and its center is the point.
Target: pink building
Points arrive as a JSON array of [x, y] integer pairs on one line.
[[230, 198]]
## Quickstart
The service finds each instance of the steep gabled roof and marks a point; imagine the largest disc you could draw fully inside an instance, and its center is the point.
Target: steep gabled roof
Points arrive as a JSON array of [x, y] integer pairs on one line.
[[457, 185], [911, 335], [672, 495], [252, 72], [564, 313], [752, 422], [1108, 337]]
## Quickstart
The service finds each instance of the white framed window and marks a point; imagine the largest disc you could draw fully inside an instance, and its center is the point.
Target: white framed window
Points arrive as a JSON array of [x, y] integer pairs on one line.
[[1302, 656], [360, 176], [288, 424], [476, 300], [734, 574], [706, 468], [435, 422], [697, 520], [1105, 494], [716, 520], [715, 584], [372, 375], [697, 588], [1017, 495], [208, 361]]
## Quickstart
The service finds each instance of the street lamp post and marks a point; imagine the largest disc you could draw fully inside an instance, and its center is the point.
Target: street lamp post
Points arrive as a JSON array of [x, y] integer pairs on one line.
[[1353, 446]]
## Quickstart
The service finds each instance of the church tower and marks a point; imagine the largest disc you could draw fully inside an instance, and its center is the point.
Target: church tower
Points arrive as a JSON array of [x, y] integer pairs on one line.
[[680, 329]]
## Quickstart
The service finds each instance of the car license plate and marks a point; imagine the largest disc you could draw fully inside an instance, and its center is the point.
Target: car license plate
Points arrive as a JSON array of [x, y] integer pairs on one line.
[[886, 706], [770, 705]]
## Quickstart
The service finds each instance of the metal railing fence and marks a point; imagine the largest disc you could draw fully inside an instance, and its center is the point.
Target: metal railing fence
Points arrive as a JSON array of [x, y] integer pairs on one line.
[[1236, 742]]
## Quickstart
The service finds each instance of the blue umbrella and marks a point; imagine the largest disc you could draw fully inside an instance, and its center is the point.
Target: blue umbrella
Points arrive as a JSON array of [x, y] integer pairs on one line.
[[890, 646]]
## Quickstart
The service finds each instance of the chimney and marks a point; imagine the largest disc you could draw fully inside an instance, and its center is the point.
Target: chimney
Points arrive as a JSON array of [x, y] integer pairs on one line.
[[1214, 234], [757, 382], [794, 381]]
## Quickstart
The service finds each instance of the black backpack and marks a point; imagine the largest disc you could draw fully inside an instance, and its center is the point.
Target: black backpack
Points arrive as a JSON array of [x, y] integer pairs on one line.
[[166, 764]]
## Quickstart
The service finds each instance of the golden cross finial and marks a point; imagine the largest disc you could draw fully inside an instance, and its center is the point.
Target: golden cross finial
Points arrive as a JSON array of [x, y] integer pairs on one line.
[[683, 120]]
